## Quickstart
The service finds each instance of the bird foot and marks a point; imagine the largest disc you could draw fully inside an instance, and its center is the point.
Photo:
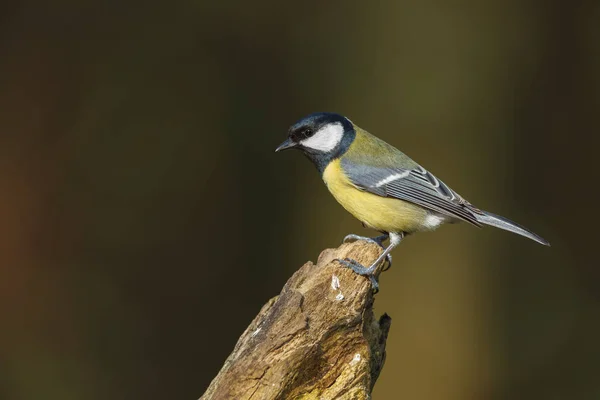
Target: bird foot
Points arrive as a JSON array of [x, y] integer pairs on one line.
[[376, 240], [361, 270]]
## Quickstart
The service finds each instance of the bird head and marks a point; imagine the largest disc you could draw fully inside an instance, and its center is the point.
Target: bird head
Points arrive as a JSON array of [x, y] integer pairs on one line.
[[322, 137]]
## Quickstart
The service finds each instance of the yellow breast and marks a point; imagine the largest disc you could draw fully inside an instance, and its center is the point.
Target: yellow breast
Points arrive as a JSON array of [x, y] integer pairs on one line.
[[380, 213]]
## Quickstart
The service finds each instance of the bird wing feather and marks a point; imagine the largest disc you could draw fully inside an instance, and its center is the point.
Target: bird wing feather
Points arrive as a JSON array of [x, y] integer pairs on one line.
[[415, 185]]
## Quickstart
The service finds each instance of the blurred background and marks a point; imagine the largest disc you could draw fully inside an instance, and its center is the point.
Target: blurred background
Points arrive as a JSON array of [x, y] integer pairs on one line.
[[145, 218]]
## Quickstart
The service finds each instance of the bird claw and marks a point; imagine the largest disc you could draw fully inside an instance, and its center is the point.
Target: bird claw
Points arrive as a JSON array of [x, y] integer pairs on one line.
[[388, 263], [376, 240], [361, 270]]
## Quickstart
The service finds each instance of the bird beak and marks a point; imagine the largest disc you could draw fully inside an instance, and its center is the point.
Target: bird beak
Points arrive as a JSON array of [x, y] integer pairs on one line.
[[288, 144]]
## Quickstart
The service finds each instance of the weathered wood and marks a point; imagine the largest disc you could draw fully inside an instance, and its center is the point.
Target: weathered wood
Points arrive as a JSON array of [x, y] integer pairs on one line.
[[318, 339]]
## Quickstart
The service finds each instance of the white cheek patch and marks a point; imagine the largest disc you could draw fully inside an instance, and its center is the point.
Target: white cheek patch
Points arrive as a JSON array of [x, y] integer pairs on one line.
[[326, 138]]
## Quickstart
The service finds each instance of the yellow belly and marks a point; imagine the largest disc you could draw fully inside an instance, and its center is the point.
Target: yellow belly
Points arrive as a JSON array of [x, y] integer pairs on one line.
[[380, 213]]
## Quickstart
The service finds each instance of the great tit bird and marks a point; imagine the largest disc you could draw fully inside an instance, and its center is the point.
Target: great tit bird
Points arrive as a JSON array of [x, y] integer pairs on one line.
[[382, 187]]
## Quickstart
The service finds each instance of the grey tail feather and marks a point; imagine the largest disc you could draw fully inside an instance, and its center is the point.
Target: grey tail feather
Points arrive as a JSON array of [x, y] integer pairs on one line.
[[497, 221]]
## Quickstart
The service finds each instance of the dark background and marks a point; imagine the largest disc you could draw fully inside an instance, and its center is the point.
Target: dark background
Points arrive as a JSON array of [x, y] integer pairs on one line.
[[145, 219]]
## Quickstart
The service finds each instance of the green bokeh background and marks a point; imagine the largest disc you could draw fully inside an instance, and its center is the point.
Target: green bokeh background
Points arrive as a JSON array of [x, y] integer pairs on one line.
[[145, 219]]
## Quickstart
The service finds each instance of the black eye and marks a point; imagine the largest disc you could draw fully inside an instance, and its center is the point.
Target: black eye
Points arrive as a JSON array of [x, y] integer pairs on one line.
[[299, 134]]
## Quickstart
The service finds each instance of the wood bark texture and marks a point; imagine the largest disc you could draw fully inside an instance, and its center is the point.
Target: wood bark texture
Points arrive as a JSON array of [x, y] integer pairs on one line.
[[319, 339]]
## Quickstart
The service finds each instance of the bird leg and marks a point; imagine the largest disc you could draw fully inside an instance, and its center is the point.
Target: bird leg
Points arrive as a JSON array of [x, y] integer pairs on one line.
[[395, 239], [376, 240]]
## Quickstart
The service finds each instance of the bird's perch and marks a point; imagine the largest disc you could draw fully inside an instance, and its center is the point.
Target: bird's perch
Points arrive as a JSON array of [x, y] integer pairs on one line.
[[319, 339]]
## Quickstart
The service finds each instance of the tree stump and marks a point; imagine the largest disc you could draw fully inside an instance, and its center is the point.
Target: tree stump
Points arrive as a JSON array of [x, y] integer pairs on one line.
[[319, 339]]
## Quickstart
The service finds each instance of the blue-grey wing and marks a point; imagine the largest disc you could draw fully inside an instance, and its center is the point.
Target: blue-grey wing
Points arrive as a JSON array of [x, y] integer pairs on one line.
[[415, 185]]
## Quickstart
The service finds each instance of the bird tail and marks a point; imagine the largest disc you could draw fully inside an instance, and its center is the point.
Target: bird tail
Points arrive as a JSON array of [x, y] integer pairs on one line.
[[497, 221]]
